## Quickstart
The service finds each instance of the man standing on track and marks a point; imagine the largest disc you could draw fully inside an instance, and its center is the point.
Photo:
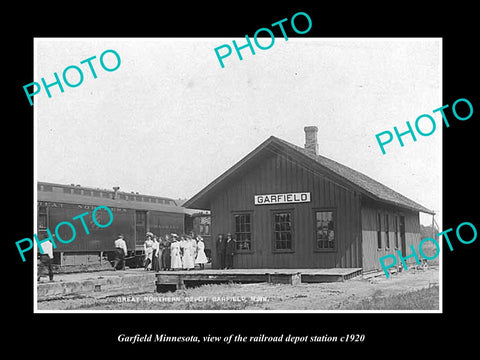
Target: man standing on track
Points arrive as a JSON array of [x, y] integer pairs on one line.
[[45, 259]]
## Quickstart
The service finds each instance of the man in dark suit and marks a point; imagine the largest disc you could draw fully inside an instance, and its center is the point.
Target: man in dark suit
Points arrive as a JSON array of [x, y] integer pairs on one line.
[[229, 251], [220, 251]]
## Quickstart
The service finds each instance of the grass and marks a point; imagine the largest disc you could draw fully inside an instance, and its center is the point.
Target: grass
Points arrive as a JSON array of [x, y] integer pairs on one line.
[[423, 299]]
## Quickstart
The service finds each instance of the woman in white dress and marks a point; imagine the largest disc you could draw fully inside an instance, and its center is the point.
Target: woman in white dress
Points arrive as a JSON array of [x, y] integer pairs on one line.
[[188, 257], [176, 260], [201, 258]]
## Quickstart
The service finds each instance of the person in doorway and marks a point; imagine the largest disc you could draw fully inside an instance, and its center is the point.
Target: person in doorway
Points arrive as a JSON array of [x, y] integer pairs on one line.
[[220, 251], [120, 253], [229, 251], [201, 258], [45, 259]]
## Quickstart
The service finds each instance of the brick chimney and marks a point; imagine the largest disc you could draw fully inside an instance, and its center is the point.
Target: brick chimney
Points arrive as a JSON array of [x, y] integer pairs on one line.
[[311, 144]]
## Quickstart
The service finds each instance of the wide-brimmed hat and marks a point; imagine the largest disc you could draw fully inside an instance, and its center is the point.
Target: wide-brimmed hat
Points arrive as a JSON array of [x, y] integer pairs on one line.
[[149, 234]]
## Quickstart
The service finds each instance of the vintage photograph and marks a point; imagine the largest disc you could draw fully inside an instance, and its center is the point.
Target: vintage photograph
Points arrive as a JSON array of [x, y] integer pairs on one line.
[[166, 182]]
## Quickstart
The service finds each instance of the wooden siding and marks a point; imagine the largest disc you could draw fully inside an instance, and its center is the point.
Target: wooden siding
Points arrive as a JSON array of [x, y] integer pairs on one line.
[[371, 252], [279, 174]]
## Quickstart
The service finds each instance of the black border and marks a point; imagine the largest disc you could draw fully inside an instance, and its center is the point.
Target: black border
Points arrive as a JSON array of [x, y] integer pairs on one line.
[[405, 333]]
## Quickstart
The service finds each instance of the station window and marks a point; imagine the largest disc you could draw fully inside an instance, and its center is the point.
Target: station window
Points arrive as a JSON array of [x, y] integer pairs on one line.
[[243, 231], [204, 225], [324, 230], [283, 231]]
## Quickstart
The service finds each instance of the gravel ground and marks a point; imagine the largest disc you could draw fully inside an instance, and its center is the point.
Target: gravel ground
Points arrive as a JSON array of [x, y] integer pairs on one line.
[[260, 296]]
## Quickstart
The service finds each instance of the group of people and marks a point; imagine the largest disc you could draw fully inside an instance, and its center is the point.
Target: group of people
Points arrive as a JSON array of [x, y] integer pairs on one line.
[[169, 252], [173, 252]]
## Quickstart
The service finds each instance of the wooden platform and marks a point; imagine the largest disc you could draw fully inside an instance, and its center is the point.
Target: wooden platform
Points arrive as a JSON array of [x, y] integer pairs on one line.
[[181, 278]]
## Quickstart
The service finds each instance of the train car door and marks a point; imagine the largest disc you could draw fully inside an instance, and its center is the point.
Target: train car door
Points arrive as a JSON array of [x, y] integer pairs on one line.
[[140, 227]]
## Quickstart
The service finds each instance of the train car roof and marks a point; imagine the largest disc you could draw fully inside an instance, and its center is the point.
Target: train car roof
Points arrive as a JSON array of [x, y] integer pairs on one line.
[[60, 195]]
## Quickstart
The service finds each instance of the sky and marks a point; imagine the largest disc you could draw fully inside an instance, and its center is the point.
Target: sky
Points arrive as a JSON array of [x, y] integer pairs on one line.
[[170, 120]]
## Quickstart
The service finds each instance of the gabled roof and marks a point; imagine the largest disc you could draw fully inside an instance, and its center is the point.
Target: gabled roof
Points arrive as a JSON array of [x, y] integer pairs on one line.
[[349, 176]]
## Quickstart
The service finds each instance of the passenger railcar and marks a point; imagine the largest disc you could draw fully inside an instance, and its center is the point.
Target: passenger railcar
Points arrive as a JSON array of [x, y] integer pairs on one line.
[[133, 215]]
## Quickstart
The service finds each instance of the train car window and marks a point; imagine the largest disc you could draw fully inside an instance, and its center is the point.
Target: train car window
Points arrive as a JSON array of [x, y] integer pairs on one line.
[[96, 193], [42, 218], [77, 191]]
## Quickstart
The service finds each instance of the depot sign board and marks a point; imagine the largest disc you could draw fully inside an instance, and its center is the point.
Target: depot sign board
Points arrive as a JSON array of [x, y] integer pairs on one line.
[[282, 198]]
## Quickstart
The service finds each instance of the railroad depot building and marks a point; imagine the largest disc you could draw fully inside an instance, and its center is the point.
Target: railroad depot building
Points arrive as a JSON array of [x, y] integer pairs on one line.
[[289, 207]]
